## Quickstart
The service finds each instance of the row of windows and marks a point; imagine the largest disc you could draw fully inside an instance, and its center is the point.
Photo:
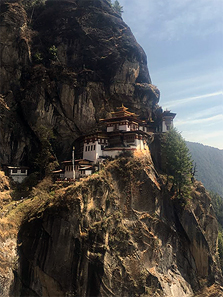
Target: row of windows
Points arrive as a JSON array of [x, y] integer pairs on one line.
[[100, 140], [17, 170], [103, 140], [70, 168], [132, 127], [90, 148]]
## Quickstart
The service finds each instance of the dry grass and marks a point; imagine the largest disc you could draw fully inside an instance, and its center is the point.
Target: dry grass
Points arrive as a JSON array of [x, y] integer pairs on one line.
[[4, 182], [212, 291]]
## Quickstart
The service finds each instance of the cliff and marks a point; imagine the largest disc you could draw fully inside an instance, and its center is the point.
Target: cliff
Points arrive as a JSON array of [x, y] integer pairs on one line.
[[120, 232], [116, 233], [62, 63]]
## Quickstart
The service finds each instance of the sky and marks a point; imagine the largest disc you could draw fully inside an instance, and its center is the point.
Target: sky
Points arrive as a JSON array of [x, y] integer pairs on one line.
[[183, 41]]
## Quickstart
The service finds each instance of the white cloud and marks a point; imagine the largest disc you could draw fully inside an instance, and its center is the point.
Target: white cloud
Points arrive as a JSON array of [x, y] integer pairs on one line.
[[190, 99], [210, 121], [184, 44], [187, 66], [211, 138], [199, 18], [174, 18], [213, 134], [207, 112]]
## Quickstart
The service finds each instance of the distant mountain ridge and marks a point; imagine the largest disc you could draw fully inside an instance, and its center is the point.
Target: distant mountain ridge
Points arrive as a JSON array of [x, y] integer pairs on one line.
[[209, 162]]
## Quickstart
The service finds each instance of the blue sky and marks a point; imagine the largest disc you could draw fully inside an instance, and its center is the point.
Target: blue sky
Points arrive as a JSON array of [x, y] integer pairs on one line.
[[183, 40]]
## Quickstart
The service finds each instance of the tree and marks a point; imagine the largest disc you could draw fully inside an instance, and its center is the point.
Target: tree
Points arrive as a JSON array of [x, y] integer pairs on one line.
[[220, 248], [217, 202], [117, 7], [178, 162], [193, 172]]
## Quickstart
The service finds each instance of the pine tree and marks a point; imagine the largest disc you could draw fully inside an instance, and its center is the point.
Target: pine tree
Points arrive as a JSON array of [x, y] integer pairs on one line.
[[178, 162], [117, 7]]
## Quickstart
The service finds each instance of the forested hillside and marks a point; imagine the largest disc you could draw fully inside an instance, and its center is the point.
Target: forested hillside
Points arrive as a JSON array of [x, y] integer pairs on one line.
[[209, 166]]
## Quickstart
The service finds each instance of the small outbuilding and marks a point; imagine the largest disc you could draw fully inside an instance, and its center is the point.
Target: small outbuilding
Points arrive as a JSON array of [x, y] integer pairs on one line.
[[17, 173]]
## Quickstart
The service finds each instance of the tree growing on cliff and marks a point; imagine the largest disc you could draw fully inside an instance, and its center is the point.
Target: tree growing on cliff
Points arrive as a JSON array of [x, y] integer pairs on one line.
[[217, 202], [178, 162], [117, 7]]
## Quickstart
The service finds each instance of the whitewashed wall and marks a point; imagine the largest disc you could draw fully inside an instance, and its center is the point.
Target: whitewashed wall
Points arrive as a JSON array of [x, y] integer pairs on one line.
[[18, 176], [93, 154], [124, 128]]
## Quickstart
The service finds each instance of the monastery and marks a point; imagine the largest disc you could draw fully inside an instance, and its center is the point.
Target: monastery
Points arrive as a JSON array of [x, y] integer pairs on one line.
[[124, 131]]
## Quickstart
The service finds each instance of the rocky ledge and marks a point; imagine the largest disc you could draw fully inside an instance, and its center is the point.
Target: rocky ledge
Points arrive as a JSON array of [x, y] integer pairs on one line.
[[116, 233]]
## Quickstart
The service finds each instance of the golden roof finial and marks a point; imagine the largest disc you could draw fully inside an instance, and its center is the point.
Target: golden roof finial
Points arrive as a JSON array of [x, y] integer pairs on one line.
[[122, 108]]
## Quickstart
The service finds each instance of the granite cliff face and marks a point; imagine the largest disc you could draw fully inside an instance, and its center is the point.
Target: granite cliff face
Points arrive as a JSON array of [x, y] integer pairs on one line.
[[117, 233], [96, 65], [120, 232]]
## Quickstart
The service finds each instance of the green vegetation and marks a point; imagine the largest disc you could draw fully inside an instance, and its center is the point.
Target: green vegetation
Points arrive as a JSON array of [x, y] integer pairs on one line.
[[53, 53], [38, 57], [209, 161], [178, 163], [220, 247], [217, 202], [46, 56], [117, 7]]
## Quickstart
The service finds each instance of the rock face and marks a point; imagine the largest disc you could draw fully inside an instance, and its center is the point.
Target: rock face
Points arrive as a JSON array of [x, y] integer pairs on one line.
[[119, 233], [63, 63]]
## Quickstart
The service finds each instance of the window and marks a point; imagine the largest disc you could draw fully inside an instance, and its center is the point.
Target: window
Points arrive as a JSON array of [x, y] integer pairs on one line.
[[91, 147], [88, 148], [23, 171], [94, 147], [85, 148], [14, 170]]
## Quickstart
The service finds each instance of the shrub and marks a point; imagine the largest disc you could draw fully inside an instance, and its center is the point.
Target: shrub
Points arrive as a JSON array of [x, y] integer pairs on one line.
[[38, 57], [53, 53]]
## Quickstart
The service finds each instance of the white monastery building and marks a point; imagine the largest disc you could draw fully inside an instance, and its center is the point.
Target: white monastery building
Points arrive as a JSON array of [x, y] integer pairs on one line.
[[167, 121], [124, 131], [81, 168]]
